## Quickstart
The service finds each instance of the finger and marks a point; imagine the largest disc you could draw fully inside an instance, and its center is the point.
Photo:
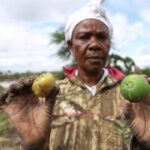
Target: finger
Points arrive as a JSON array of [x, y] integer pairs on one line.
[[51, 98], [144, 75], [13, 88], [23, 85], [148, 79], [16, 86], [27, 85], [129, 111], [138, 70], [29, 81], [127, 108], [20, 84]]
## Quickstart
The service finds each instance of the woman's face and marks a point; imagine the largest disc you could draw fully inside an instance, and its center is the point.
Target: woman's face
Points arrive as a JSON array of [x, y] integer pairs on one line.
[[90, 45]]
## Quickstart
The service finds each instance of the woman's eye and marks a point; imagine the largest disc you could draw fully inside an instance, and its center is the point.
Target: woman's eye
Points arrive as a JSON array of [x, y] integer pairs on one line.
[[84, 37], [103, 37]]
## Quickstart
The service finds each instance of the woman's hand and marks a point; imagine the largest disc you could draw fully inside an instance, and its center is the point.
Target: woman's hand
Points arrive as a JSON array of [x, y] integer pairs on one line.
[[30, 118], [138, 116]]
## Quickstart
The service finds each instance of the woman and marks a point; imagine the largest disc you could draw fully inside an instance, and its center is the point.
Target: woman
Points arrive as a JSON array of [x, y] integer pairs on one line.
[[86, 111]]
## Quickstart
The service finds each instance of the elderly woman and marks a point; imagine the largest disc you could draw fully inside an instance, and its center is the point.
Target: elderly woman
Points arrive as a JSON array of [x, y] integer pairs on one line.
[[85, 113]]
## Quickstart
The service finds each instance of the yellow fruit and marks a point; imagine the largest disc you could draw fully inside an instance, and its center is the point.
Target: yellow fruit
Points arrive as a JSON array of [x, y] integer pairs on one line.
[[43, 85]]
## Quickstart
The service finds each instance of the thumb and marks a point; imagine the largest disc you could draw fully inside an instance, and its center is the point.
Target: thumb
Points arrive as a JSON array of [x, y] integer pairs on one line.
[[138, 70], [128, 112], [52, 96]]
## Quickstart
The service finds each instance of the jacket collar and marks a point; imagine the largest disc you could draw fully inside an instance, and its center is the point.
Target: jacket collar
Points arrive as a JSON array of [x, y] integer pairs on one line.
[[70, 72]]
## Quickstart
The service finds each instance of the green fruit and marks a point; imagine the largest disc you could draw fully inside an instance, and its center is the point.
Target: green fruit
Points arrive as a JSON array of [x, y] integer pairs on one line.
[[134, 88], [43, 85]]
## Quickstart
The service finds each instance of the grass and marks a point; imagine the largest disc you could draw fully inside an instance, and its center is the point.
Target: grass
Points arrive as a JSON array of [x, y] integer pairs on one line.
[[5, 124], [8, 137]]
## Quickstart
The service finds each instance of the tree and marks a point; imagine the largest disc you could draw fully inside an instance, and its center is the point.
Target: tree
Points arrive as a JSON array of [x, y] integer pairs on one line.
[[146, 71], [58, 38], [125, 65]]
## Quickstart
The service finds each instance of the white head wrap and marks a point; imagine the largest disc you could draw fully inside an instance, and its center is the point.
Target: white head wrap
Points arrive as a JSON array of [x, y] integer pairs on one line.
[[93, 10]]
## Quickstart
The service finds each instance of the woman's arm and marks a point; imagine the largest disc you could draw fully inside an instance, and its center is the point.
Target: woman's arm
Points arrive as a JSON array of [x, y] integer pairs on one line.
[[30, 118]]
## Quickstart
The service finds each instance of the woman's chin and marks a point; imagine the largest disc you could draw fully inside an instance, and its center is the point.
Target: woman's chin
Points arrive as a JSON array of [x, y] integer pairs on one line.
[[94, 69]]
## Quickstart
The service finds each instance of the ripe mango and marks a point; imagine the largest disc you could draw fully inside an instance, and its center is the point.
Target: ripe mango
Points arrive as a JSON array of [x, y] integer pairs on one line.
[[43, 85]]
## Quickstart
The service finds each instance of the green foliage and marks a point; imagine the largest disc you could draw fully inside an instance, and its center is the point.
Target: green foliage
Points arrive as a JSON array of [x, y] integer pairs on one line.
[[59, 74], [125, 65], [64, 52], [4, 123], [146, 71], [58, 38], [11, 76]]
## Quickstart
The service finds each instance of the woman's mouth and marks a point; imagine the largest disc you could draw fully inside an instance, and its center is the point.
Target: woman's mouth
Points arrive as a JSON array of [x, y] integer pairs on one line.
[[94, 59]]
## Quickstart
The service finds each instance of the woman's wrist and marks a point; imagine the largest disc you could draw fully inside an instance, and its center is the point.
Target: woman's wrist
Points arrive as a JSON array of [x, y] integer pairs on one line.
[[36, 147], [42, 145]]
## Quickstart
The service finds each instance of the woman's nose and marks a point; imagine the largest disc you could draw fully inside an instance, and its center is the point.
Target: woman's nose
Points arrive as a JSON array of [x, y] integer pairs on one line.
[[94, 44]]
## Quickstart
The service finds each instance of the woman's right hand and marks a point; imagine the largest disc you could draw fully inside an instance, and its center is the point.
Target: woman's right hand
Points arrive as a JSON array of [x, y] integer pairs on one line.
[[30, 117]]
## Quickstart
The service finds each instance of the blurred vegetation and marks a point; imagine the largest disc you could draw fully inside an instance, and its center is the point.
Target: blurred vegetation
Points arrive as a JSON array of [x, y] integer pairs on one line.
[[125, 65], [10, 75], [5, 124], [146, 71], [61, 74], [8, 137], [58, 38]]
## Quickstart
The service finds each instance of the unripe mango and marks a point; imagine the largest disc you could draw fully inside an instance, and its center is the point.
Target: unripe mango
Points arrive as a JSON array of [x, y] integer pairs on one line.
[[43, 85], [135, 88]]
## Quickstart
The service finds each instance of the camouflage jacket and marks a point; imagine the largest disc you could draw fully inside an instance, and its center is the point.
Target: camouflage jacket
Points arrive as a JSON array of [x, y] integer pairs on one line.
[[84, 122]]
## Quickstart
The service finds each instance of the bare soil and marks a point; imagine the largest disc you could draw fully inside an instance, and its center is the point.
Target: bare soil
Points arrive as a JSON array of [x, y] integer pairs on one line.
[[8, 136], [9, 141]]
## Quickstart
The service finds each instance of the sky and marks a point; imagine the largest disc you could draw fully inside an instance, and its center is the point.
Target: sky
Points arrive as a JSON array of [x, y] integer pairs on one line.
[[26, 27]]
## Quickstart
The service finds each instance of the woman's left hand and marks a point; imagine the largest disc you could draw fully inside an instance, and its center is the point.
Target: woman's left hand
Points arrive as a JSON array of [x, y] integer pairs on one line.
[[138, 116]]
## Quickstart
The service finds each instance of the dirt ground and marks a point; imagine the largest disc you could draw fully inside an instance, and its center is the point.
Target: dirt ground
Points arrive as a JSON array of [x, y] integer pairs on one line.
[[8, 137], [9, 141]]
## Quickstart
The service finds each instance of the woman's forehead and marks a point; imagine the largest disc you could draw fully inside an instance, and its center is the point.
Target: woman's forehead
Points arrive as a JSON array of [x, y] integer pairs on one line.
[[89, 25]]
